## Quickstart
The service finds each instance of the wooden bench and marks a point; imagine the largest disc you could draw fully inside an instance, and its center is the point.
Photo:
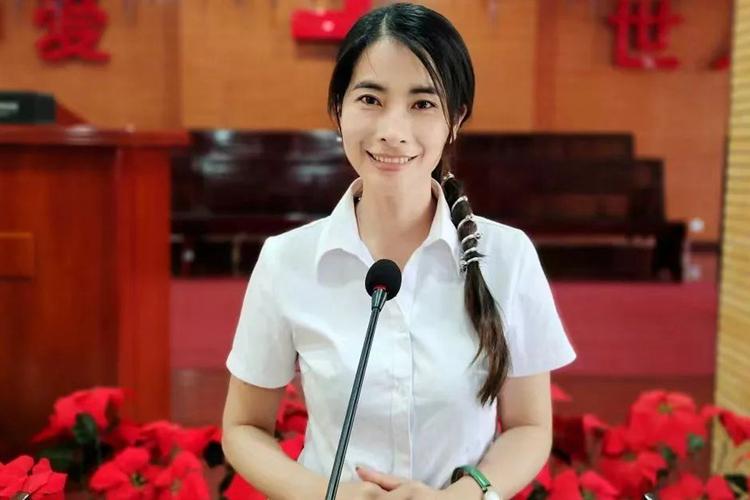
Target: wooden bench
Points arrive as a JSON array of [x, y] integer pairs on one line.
[[593, 209]]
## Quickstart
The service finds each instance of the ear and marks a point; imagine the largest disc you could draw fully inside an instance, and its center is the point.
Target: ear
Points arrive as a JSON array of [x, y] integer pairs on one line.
[[458, 124]]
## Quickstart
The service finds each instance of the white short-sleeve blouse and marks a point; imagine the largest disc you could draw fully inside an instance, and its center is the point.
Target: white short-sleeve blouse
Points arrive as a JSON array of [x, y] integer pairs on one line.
[[418, 415]]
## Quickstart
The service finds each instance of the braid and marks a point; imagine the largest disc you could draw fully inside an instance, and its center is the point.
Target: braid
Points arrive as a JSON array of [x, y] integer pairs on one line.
[[479, 302]]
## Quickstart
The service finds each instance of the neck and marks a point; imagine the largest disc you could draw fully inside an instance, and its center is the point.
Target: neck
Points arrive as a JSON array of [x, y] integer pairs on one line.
[[392, 225]]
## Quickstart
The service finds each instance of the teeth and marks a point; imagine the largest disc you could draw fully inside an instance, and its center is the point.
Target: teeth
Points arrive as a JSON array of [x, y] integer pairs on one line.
[[385, 159]]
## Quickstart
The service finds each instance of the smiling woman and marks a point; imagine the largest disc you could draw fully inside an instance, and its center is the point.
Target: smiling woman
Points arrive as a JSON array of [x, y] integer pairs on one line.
[[391, 115], [474, 330]]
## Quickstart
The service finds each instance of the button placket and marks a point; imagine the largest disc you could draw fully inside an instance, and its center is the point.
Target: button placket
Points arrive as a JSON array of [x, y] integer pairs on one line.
[[402, 400]]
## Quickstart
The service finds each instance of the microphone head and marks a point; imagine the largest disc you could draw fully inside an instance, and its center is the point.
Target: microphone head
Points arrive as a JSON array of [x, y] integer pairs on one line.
[[384, 273]]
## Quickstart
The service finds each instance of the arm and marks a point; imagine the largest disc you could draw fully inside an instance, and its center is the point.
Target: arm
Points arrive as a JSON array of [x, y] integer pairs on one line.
[[250, 447], [517, 455]]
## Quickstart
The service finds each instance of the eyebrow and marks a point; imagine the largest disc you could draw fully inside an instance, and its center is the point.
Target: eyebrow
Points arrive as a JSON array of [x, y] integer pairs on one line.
[[367, 84]]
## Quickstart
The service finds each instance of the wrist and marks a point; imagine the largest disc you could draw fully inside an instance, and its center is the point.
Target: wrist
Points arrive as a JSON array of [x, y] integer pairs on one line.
[[465, 488]]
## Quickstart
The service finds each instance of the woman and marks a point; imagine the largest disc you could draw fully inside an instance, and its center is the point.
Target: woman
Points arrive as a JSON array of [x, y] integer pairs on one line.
[[472, 335]]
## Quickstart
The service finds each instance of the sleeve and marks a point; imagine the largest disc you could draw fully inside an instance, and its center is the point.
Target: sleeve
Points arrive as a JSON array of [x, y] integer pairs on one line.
[[536, 338], [263, 352]]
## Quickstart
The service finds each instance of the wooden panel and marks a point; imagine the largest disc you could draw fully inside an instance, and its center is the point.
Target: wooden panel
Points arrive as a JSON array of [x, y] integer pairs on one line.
[[95, 309], [87, 135], [733, 352], [56, 329], [142, 216], [16, 255]]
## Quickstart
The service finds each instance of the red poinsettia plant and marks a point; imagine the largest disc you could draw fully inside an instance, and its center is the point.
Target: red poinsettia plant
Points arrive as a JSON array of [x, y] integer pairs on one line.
[[88, 445], [87, 442], [657, 451], [37, 480]]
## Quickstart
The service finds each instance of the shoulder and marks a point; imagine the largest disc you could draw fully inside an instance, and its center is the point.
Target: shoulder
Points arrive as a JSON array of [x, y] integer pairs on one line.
[[508, 253], [503, 240], [294, 247]]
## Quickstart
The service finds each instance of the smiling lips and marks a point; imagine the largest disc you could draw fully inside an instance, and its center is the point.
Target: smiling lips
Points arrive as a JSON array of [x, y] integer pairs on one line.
[[397, 160]]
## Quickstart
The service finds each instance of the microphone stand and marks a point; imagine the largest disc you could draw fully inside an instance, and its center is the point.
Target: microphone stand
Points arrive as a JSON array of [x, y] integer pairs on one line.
[[379, 296]]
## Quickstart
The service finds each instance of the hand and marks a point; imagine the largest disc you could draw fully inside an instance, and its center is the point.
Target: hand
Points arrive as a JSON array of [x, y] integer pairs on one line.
[[398, 487], [359, 490]]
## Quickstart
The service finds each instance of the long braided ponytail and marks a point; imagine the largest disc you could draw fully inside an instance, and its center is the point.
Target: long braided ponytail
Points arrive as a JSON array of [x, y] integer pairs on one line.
[[440, 48], [478, 299]]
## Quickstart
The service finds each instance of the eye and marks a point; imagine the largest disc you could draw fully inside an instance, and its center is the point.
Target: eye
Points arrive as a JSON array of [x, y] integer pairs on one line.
[[368, 99], [425, 104]]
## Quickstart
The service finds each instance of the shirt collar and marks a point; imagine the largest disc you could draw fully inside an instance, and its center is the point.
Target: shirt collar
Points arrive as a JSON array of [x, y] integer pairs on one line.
[[341, 232]]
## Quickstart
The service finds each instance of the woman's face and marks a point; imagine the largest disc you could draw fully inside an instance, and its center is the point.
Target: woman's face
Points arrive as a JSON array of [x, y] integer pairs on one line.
[[393, 125]]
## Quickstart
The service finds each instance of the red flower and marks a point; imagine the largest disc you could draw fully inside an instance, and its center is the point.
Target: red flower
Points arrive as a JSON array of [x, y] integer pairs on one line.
[[292, 414], [293, 446], [572, 434], [21, 475], [196, 439], [128, 476], [239, 489], [568, 486], [634, 473], [159, 437], [689, 487], [96, 402], [125, 434], [544, 478], [738, 427], [619, 440], [565, 487], [594, 485], [163, 437], [718, 489], [710, 411], [183, 479], [667, 418]]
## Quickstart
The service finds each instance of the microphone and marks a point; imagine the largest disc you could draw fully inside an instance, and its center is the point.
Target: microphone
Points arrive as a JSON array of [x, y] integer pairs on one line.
[[383, 281]]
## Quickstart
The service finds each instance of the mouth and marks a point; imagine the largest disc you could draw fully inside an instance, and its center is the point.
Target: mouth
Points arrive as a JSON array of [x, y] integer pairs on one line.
[[390, 161]]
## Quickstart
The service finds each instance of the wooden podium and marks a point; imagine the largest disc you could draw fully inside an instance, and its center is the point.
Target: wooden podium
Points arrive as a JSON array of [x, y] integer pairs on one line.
[[84, 271]]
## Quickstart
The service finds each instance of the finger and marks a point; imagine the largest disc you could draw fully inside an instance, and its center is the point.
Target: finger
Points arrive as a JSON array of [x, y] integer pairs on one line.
[[401, 493], [385, 481]]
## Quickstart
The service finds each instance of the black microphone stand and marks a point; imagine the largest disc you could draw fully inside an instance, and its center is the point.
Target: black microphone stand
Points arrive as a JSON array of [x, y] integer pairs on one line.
[[379, 296]]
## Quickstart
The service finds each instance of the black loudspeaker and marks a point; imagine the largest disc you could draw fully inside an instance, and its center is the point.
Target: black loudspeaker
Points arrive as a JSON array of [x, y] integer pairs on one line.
[[26, 108]]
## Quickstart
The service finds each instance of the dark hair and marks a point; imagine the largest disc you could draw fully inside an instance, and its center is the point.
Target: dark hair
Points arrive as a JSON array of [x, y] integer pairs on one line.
[[440, 48]]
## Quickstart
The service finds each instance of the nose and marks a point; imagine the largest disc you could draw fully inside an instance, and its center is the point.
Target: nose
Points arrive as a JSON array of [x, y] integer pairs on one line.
[[393, 128]]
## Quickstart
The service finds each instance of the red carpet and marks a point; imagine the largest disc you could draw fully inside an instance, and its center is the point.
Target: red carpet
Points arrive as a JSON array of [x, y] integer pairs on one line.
[[616, 328]]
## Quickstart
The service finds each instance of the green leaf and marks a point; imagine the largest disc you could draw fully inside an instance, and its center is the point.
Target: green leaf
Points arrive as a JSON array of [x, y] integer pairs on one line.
[[213, 454], [226, 481], [695, 443], [737, 481], [61, 458], [668, 455], [538, 493], [85, 431]]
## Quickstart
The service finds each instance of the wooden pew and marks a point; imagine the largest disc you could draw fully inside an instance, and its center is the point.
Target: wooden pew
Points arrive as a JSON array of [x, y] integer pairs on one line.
[[575, 194]]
